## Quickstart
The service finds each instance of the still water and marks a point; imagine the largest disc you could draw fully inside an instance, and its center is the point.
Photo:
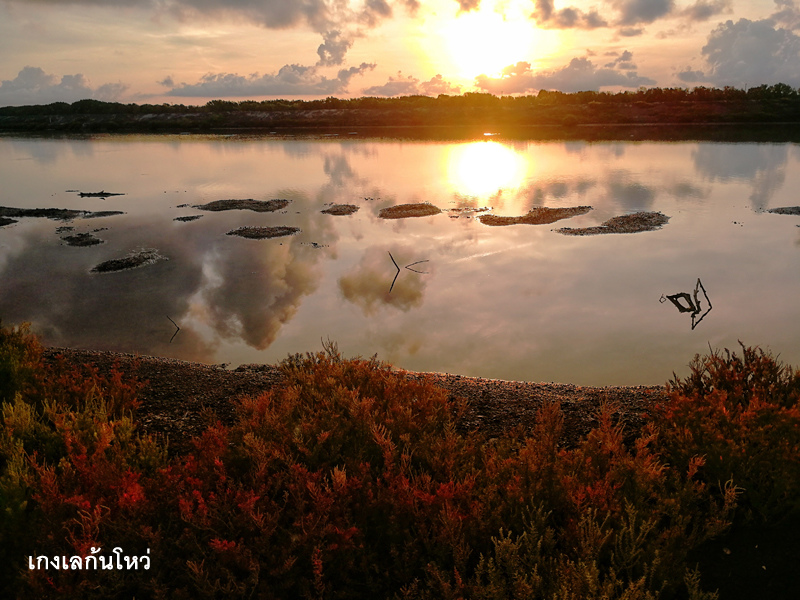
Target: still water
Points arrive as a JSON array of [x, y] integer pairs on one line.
[[517, 302]]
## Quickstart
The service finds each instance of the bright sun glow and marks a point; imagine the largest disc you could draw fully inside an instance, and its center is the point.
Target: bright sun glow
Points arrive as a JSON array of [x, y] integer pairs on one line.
[[485, 41], [481, 169]]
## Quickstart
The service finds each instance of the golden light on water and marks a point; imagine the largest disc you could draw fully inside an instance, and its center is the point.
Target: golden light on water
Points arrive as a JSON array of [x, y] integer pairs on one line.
[[482, 169]]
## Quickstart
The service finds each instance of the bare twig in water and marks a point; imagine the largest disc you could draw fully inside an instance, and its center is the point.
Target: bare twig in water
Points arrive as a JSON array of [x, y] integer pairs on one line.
[[417, 263], [177, 329], [391, 287]]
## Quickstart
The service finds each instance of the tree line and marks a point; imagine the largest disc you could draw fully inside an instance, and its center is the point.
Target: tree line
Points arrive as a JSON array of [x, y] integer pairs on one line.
[[470, 100]]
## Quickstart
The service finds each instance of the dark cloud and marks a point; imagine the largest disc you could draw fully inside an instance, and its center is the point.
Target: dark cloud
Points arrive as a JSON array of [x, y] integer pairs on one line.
[[546, 16], [703, 10], [290, 80], [580, 74], [748, 53], [333, 48], [33, 86], [622, 61], [410, 85], [688, 75], [634, 12]]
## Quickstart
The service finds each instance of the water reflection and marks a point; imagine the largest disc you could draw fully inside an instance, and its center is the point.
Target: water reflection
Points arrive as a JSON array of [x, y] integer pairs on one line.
[[516, 302], [482, 169], [370, 285]]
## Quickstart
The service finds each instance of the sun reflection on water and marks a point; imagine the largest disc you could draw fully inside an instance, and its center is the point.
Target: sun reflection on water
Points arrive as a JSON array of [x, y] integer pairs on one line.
[[482, 169]]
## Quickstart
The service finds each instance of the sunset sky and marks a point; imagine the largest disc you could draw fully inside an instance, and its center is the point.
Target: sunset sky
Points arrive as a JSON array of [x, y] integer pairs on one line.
[[191, 51]]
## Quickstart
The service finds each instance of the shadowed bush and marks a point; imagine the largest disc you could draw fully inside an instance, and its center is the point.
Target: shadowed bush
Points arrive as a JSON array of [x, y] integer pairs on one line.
[[352, 481]]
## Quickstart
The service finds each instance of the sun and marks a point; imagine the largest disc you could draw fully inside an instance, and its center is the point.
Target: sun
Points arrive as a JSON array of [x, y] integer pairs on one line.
[[483, 42]]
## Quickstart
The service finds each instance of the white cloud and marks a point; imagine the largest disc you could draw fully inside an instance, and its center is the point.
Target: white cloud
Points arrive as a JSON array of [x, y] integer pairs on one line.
[[33, 86], [410, 86], [579, 75], [290, 80]]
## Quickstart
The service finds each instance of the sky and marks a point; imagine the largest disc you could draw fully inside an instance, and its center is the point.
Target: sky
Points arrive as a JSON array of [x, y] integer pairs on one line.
[[192, 51]]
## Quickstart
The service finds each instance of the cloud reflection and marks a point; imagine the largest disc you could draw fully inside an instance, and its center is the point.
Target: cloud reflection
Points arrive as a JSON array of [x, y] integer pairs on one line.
[[368, 284]]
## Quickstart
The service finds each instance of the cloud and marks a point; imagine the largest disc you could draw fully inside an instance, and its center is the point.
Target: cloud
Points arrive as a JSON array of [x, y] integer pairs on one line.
[[688, 75], [623, 61], [468, 5], [579, 75], [634, 12], [748, 53], [333, 48], [703, 10], [787, 15], [290, 80], [338, 21], [567, 18], [411, 86], [33, 86]]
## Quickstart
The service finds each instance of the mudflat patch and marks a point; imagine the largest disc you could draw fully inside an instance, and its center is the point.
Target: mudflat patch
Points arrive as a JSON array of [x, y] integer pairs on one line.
[[340, 209], [540, 215], [139, 258], [187, 218], [248, 204], [786, 210], [261, 233], [82, 240], [633, 223], [56, 214], [7, 221], [403, 211]]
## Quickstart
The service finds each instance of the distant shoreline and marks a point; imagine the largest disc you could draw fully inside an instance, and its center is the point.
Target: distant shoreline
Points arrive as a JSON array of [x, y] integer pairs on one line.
[[561, 117]]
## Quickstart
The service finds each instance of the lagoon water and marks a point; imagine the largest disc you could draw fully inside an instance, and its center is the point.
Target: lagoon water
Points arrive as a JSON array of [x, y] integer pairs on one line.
[[518, 302]]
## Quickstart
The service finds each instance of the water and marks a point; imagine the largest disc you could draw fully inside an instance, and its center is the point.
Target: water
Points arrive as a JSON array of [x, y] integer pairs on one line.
[[520, 302]]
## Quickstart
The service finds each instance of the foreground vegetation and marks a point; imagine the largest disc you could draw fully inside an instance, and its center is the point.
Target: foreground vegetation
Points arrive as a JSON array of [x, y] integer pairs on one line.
[[547, 114], [353, 482]]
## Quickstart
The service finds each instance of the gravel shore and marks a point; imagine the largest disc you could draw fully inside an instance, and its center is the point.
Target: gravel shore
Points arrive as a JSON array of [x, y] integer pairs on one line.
[[179, 397]]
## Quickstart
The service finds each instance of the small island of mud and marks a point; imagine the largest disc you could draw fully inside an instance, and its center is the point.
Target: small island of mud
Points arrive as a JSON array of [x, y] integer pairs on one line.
[[403, 211], [248, 204], [262, 233], [82, 240], [786, 210], [540, 215], [56, 214], [140, 258], [187, 219], [633, 223], [7, 221], [340, 209]]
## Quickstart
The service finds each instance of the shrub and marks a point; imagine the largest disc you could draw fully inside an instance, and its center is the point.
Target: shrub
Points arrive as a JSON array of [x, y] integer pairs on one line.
[[738, 417]]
